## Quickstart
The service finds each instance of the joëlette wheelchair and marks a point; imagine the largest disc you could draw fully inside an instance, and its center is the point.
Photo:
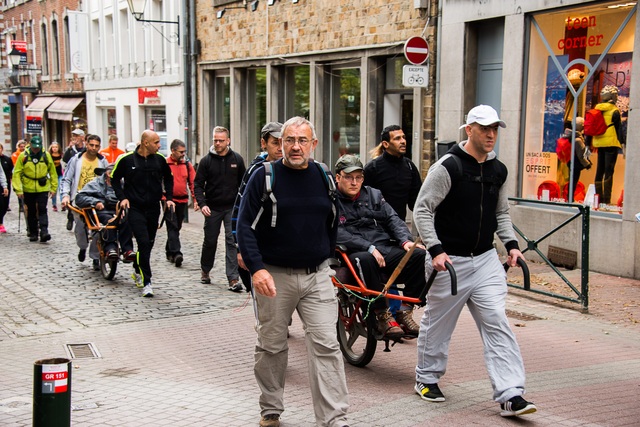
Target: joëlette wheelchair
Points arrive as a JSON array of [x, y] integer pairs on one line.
[[89, 215], [357, 332]]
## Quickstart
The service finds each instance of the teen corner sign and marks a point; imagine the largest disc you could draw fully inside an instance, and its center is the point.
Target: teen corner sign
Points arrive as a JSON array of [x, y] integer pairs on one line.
[[416, 50]]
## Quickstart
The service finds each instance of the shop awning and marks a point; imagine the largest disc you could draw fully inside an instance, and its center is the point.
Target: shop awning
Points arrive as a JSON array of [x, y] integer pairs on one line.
[[62, 108], [39, 104]]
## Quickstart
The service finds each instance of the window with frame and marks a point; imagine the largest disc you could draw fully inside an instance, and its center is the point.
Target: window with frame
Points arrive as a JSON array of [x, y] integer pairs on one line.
[[570, 72]]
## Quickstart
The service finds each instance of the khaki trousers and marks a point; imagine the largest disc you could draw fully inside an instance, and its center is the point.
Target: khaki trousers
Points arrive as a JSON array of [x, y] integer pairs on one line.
[[313, 296]]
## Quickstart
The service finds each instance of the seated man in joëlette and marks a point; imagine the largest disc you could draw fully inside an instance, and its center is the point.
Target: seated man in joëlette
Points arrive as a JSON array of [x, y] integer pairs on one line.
[[377, 240], [99, 194]]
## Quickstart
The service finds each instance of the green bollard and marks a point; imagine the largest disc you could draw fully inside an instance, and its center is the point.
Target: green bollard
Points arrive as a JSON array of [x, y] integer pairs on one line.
[[52, 393]]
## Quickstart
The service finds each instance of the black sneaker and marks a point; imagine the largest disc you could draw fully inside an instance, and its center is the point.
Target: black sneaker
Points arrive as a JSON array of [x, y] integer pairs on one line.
[[82, 254], [429, 392], [517, 406], [44, 236], [69, 223], [96, 265], [178, 260], [170, 258], [33, 238]]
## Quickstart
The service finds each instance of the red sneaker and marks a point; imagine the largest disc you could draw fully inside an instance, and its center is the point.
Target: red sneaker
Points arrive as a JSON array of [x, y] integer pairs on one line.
[[130, 256]]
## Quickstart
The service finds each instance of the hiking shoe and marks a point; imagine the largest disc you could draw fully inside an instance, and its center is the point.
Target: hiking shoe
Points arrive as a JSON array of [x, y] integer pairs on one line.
[[129, 256], [82, 255], [517, 406], [429, 392], [170, 258], [33, 238], [406, 322], [137, 279], [44, 236], [147, 292], [387, 326], [235, 286], [178, 260], [55, 208], [2, 229], [112, 254], [69, 223], [270, 420], [204, 277], [96, 265]]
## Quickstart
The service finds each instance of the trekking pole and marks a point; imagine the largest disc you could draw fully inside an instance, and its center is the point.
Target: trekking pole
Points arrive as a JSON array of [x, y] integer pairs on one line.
[[19, 215], [400, 266]]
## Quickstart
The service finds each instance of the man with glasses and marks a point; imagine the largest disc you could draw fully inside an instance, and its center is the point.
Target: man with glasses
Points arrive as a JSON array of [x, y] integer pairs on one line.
[[216, 185], [79, 171], [183, 176], [287, 251], [377, 240]]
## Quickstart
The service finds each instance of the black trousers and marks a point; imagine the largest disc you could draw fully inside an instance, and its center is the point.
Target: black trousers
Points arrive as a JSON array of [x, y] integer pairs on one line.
[[607, 158], [37, 218], [412, 275], [173, 223], [122, 234], [144, 225]]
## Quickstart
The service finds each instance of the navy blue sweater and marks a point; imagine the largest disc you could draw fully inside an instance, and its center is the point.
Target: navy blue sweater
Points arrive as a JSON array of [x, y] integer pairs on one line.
[[305, 231]]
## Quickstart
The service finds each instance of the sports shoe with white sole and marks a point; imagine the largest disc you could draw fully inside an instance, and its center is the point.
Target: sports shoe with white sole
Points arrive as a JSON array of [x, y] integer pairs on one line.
[[137, 279], [147, 291], [429, 392], [517, 406]]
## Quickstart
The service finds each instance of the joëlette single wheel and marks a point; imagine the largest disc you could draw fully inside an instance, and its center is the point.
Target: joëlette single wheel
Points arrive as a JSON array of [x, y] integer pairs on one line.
[[355, 333], [108, 267]]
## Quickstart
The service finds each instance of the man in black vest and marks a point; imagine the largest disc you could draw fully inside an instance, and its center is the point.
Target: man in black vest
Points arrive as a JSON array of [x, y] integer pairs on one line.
[[461, 205]]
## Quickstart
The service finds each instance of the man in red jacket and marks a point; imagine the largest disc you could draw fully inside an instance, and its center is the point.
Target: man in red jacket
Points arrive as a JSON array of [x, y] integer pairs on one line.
[[183, 175]]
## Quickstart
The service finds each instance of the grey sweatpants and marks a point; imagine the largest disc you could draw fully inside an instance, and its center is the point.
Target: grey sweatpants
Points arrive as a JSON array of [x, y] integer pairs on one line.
[[313, 296], [482, 287]]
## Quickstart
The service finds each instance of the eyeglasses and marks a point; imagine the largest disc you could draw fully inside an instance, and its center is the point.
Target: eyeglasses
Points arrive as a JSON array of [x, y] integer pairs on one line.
[[303, 142], [351, 178]]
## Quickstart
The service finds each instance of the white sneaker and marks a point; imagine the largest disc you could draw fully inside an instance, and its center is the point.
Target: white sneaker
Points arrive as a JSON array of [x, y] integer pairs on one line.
[[147, 292]]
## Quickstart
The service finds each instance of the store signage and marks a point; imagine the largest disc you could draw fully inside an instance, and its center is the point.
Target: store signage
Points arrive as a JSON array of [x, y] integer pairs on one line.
[[148, 96], [580, 41], [415, 76], [34, 124], [416, 50]]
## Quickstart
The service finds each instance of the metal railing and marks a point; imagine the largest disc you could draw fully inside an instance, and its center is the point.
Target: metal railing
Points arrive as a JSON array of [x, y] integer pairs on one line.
[[23, 78], [583, 212]]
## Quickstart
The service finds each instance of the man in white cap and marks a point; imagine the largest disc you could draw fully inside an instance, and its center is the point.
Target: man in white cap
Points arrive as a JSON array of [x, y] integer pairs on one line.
[[461, 205]]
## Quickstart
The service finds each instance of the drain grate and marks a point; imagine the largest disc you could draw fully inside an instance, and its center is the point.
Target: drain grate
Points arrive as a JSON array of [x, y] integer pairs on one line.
[[82, 351]]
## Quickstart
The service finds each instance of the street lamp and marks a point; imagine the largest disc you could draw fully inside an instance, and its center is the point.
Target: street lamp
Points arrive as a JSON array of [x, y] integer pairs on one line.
[[14, 57], [137, 10]]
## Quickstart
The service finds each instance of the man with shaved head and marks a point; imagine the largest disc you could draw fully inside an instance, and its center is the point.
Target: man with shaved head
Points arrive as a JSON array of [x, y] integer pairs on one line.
[[138, 179]]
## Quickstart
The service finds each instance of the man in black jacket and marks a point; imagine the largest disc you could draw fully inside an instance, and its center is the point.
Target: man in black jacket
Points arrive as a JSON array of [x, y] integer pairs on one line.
[[392, 173], [377, 240], [217, 180], [144, 172]]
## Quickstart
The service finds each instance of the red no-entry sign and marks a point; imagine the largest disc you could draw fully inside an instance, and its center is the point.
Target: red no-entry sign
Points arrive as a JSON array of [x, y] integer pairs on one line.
[[416, 50]]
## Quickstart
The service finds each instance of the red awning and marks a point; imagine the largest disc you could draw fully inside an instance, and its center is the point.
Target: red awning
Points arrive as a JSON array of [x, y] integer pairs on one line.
[[62, 108]]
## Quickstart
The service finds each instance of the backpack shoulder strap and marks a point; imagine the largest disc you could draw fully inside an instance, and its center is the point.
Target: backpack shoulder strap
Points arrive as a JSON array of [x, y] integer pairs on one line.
[[267, 193], [331, 187]]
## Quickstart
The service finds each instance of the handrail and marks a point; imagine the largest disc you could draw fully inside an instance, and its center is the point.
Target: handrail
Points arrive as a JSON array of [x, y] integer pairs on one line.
[[583, 212]]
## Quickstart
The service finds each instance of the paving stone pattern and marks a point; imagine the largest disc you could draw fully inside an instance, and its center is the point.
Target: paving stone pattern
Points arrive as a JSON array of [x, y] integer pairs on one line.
[[184, 357]]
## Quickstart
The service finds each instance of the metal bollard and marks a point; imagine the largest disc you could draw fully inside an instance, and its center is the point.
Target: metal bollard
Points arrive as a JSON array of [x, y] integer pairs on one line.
[[52, 393]]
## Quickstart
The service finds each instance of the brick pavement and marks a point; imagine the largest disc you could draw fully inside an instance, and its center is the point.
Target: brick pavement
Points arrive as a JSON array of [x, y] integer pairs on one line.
[[184, 358]]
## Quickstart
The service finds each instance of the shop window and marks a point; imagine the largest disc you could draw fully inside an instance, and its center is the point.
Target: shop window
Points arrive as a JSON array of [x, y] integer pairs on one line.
[[111, 121], [257, 103], [570, 72], [297, 91], [222, 106], [345, 112]]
